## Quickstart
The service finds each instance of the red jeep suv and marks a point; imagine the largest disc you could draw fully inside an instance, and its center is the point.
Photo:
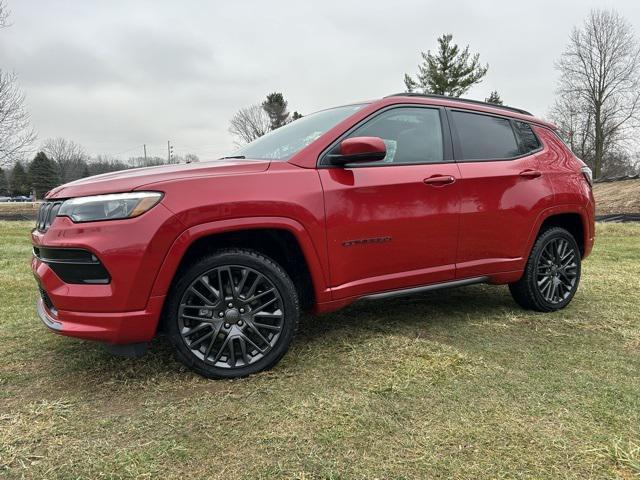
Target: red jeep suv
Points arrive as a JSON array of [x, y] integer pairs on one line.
[[366, 201]]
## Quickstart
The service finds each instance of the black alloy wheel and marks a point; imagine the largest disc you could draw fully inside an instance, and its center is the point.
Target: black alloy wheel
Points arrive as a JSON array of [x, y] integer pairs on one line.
[[232, 313], [552, 273], [557, 270]]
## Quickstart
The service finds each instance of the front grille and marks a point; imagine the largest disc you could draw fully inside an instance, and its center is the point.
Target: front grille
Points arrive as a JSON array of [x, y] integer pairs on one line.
[[46, 214]]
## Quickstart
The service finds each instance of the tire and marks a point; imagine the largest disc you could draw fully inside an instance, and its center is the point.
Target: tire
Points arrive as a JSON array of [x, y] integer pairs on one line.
[[554, 263], [231, 314]]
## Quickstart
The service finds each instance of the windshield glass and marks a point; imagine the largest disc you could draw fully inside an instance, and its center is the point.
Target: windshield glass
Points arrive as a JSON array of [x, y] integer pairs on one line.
[[282, 143]]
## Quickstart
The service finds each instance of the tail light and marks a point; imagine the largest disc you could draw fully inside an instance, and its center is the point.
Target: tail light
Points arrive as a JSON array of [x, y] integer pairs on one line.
[[588, 175]]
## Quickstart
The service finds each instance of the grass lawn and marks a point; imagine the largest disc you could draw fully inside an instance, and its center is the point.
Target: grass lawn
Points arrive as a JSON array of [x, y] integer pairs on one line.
[[453, 384]]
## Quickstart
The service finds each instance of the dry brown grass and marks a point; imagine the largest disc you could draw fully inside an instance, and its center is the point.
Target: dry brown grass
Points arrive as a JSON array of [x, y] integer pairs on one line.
[[617, 197], [18, 210]]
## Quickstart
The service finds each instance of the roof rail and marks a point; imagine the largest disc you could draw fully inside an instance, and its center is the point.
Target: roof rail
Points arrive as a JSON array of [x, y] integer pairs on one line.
[[457, 99]]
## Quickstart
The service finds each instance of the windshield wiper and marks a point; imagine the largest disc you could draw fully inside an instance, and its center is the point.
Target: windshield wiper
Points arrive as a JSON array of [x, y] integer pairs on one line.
[[232, 156]]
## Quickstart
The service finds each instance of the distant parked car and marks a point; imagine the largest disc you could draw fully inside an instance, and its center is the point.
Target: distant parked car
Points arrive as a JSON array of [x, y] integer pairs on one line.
[[5, 199], [21, 198]]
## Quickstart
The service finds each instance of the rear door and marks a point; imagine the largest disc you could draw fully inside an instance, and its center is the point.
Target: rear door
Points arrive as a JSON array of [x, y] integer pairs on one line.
[[503, 191], [394, 223]]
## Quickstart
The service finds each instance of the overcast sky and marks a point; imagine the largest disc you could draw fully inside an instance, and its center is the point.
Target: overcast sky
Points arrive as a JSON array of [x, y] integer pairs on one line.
[[113, 75]]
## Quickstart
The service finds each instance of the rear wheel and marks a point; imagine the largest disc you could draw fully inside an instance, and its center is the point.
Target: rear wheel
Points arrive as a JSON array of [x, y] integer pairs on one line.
[[231, 314], [552, 273]]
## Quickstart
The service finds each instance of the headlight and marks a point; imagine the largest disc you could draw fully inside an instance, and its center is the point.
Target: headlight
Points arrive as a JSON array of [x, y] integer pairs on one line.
[[108, 207]]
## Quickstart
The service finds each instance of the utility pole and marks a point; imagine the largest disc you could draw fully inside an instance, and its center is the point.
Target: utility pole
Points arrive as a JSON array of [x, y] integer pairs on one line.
[[145, 153], [169, 152]]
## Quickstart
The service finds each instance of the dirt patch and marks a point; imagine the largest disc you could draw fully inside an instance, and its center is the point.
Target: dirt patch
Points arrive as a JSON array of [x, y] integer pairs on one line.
[[19, 210], [617, 197]]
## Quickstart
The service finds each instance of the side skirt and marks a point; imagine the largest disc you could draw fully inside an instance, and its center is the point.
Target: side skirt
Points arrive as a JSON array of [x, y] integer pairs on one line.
[[426, 288]]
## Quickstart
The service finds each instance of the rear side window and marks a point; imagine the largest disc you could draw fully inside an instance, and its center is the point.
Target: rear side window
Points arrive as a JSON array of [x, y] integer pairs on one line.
[[483, 137], [528, 140]]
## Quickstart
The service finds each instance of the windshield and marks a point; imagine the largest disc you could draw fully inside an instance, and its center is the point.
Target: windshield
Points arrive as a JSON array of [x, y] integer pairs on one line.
[[282, 143]]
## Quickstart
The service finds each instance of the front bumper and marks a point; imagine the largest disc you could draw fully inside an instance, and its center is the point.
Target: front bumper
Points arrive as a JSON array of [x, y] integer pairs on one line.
[[121, 310], [112, 328]]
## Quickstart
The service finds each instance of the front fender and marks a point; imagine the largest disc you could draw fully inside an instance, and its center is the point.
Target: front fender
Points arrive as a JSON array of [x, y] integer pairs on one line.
[[189, 236]]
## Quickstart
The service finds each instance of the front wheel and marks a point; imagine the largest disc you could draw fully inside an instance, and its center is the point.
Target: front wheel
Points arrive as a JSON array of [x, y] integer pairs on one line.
[[231, 314], [552, 273]]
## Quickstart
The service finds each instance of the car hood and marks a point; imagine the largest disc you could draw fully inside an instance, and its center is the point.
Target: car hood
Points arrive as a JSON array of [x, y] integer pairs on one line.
[[136, 178]]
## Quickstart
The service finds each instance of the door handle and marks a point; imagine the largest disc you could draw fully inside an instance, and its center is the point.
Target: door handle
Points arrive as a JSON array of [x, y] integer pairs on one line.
[[439, 180], [528, 173]]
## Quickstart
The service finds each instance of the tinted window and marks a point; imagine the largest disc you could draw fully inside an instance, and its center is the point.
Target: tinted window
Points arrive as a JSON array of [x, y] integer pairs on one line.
[[412, 135], [485, 138], [528, 140]]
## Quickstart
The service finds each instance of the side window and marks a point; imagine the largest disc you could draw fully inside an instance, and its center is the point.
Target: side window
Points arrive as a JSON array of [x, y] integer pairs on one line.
[[411, 134], [528, 140], [483, 137]]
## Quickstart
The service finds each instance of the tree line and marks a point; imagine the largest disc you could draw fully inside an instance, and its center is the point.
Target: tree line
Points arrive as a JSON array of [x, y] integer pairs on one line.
[[596, 109], [60, 161]]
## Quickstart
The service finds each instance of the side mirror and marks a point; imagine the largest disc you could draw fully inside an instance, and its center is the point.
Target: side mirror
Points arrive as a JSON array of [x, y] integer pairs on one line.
[[359, 149]]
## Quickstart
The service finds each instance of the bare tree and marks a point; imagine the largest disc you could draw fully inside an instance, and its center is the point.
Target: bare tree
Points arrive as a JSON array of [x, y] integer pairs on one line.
[[191, 158], [16, 135], [104, 164], [249, 123], [574, 120], [4, 14], [600, 72], [70, 157], [620, 163], [147, 161]]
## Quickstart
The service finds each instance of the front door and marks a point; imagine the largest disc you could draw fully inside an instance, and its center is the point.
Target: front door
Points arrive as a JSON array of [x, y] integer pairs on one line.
[[393, 224]]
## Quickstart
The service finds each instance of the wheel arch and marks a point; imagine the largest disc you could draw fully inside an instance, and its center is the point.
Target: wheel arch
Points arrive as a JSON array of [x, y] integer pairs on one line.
[[284, 240], [572, 218]]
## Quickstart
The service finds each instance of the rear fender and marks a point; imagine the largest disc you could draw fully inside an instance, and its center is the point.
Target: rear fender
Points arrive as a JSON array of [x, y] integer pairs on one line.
[[587, 225]]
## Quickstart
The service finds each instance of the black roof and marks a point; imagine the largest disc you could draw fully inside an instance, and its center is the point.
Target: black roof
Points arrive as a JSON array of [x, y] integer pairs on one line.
[[464, 100]]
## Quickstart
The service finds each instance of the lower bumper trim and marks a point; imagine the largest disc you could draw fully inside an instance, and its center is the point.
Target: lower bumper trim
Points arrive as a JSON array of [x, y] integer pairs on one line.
[[46, 318], [137, 326]]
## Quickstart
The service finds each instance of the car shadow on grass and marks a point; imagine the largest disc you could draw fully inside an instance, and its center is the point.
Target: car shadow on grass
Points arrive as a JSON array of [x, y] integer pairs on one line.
[[88, 365], [405, 314]]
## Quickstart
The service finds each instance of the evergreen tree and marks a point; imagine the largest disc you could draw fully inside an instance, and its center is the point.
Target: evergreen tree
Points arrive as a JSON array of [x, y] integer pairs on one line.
[[4, 184], [295, 116], [43, 174], [19, 180], [448, 72], [276, 107], [494, 97]]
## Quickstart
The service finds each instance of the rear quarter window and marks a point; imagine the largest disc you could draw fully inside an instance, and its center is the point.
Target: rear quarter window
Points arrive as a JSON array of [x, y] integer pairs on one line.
[[527, 139], [484, 137]]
